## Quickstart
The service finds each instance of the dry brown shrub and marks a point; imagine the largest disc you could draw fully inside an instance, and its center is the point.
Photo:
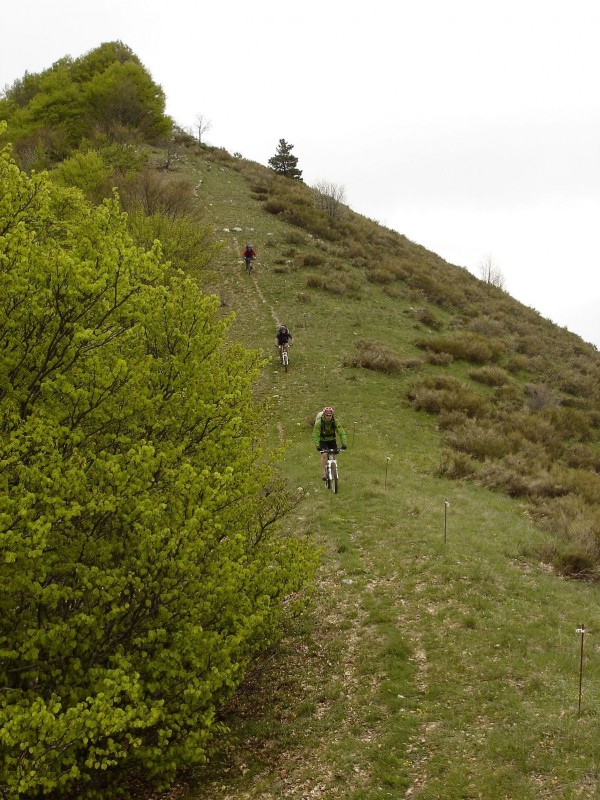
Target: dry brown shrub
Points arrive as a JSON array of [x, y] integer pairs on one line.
[[412, 363], [275, 206], [574, 529], [517, 363], [481, 441], [534, 428], [459, 398], [426, 317], [380, 275], [313, 260], [375, 356], [472, 347], [540, 396], [486, 326], [491, 376], [439, 359], [456, 465], [582, 456], [570, 422], [509, 396]]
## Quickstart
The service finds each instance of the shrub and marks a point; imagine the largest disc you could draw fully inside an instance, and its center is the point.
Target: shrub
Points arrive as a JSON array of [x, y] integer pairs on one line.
[[571, 423], [439, 359], [481, 441], [456, 465], [275, 206], [375, 356], [446, 394], [142, 571], [380, 276], [426, 317], [467, 347], [313, 260], [491, 376], [540, 396]]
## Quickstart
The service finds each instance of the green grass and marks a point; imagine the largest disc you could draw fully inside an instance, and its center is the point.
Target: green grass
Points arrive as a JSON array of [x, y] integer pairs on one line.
[[434, 661]]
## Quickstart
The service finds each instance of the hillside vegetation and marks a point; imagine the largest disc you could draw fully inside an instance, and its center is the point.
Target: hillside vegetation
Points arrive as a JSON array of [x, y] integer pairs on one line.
[[439, 656]]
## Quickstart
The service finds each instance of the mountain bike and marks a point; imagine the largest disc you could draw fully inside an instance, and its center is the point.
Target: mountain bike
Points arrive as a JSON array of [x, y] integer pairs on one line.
[[332, 475], [249, 260], [284, 356]]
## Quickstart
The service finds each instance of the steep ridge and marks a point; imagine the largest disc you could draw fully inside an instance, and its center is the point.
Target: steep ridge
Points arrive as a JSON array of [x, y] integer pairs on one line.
[[440, 659]]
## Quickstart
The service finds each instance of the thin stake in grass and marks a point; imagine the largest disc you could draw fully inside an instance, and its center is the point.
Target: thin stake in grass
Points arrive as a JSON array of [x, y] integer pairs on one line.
[[446, 504], [353, 434], [581, 631], [387, 461]]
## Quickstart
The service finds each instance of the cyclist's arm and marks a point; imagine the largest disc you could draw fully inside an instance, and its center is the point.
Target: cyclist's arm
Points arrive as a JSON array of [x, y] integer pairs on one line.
[[342, 433], [316, 433]]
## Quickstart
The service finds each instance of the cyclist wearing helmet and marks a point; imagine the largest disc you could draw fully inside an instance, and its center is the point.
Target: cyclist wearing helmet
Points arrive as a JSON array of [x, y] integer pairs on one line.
[[325, 432], [283, 339], [249, 254]]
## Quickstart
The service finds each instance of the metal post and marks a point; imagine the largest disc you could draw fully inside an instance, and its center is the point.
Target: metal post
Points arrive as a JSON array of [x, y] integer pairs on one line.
[[581, 631], [446, 504], [387, 461]]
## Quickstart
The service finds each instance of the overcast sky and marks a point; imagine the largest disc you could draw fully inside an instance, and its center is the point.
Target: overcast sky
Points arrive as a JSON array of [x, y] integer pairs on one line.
[[472, 127]]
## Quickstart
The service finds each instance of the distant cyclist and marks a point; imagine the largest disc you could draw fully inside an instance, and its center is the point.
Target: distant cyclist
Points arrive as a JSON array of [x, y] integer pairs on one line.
[[249, 256], [283, 339], [325, 432]]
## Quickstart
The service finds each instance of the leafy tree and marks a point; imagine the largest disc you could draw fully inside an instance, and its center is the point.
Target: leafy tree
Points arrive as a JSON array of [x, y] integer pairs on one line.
[[141, 563], [284, 162], [107, 90]]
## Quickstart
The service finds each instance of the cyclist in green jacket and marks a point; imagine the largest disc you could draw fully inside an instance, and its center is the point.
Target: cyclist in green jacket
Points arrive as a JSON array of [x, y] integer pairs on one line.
[[325, 432]]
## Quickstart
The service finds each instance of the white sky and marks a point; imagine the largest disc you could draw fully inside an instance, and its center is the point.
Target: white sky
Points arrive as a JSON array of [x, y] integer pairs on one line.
[[470, 126]]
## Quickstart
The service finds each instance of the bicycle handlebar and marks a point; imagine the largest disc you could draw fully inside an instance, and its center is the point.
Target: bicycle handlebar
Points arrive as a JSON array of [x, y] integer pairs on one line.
[[334, 450]]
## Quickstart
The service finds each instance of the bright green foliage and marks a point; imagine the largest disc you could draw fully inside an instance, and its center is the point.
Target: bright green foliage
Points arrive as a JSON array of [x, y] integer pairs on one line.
[[106, 91], [140, 565]]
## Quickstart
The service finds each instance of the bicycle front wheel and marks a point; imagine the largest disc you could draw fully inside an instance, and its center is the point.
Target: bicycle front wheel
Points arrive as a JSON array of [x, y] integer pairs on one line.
[[334, 478]]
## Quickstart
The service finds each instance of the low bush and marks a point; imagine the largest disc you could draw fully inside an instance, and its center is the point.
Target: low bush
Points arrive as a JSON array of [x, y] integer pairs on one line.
[[571, 423], [376, 356], [491, 376], [436, 401], [275, 206], [313, 260], [426, 317], [380, 275], [481, 441], [474, 348], [456, 465]]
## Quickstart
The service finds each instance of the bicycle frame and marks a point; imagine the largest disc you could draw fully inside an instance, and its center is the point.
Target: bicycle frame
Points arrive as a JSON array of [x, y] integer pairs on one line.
[[331, 470], [284, 354]]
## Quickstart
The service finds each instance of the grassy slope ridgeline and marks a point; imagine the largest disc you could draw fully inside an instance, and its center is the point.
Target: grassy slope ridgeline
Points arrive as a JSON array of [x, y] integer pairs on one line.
[[441, 658]]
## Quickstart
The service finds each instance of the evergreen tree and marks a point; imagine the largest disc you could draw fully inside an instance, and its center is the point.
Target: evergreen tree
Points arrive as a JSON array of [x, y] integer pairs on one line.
[[284, 162]]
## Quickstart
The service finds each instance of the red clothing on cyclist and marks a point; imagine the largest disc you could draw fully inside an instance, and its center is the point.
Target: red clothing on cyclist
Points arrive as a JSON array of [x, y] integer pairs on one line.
[[249, 252]]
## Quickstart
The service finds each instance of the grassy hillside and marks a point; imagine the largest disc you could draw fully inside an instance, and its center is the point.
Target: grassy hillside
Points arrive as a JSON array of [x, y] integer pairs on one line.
[[440, 658]]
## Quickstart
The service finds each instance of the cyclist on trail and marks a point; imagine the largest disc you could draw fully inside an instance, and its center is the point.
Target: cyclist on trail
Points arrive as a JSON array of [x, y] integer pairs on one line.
[[283, 338], [325, 432], [249, 255]]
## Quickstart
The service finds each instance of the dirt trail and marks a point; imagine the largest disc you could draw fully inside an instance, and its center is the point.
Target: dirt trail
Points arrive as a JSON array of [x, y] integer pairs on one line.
[[257, 287]]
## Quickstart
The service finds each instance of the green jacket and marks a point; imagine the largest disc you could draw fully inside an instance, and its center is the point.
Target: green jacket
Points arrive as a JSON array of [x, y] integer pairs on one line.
[[327, 430]]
